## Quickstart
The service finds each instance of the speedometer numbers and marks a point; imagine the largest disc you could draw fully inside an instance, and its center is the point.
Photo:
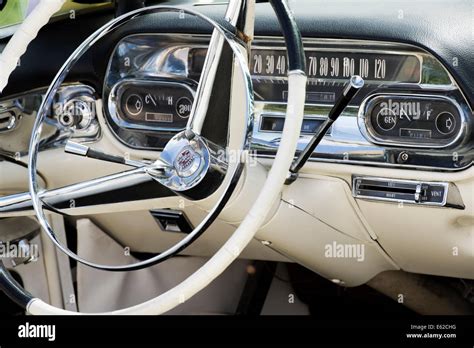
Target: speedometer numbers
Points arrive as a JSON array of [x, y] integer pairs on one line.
[[341, 65], [328, 70]]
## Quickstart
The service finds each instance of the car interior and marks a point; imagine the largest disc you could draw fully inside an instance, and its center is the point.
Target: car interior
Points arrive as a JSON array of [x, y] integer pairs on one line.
[[300, 157]]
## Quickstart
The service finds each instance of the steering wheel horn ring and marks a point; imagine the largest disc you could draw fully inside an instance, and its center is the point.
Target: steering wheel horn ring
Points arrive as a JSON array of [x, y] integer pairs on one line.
[[204, 180]]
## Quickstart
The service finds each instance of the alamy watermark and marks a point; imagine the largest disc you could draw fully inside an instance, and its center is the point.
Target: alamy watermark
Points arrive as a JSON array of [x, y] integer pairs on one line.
[[37, 331], [19, 250], [345, 251], [233, 156]]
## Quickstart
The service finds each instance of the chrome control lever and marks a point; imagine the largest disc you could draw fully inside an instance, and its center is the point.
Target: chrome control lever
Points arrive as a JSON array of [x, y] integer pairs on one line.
[[86, 151], [355, 84]]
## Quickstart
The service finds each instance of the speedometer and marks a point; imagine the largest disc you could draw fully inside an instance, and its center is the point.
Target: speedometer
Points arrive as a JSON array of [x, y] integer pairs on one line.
[[337, 65], [329, 70]]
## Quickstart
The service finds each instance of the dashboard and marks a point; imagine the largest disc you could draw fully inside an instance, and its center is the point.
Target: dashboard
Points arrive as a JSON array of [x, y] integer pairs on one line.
[[406, 138], [410, 113], [415, 111]]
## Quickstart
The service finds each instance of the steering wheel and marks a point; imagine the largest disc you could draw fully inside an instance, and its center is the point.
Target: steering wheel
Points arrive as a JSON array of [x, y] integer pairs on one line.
[[190, 165]]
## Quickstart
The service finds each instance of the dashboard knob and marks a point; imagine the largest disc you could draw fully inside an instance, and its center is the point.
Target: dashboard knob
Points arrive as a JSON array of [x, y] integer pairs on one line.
[[77, 113], [446, 123]]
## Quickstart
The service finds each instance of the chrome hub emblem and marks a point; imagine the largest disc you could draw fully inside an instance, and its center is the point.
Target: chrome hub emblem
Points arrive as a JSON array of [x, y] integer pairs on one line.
[[187, 162]]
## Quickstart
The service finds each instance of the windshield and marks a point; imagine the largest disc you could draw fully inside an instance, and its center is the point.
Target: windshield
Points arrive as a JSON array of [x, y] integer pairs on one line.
[[15, 11]]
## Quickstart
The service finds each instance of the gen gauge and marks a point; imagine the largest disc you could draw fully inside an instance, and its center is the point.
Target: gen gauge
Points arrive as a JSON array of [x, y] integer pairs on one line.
[[411, 120], [161, 105]]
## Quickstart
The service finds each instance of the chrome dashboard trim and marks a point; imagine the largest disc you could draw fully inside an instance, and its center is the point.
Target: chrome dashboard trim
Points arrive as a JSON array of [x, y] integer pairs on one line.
[[11, 112], [282, 115], [347, 144], [54, 133]]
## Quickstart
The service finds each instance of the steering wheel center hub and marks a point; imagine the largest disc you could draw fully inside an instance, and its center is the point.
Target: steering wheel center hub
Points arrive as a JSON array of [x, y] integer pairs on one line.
[[187, 162]]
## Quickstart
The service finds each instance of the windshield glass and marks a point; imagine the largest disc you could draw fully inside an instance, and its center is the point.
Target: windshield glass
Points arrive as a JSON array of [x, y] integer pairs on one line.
[[15, 11]]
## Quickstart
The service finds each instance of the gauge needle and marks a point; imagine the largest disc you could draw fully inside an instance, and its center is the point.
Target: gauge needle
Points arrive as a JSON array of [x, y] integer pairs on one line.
[[258, 95], [150, 97], [402, 111]]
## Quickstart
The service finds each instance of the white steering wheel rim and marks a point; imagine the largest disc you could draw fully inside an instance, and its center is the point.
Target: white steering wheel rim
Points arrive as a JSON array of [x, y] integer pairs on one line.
[[27, 31], [244, 233]]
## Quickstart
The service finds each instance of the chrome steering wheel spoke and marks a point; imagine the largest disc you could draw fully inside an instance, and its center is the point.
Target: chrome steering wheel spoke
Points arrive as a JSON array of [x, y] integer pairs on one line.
[[21, 203], [158, 170], [85, 151], [200, 107]]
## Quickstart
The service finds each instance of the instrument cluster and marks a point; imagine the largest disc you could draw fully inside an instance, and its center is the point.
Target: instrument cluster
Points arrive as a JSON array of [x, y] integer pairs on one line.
[[409, 114]]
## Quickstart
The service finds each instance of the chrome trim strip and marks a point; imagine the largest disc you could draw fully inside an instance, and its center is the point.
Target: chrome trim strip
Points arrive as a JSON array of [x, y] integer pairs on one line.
[[374, 164], [282, 115]]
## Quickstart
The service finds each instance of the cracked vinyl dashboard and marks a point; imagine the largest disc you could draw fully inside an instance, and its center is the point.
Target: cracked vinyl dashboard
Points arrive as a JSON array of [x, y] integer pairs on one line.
[[410, 113]]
